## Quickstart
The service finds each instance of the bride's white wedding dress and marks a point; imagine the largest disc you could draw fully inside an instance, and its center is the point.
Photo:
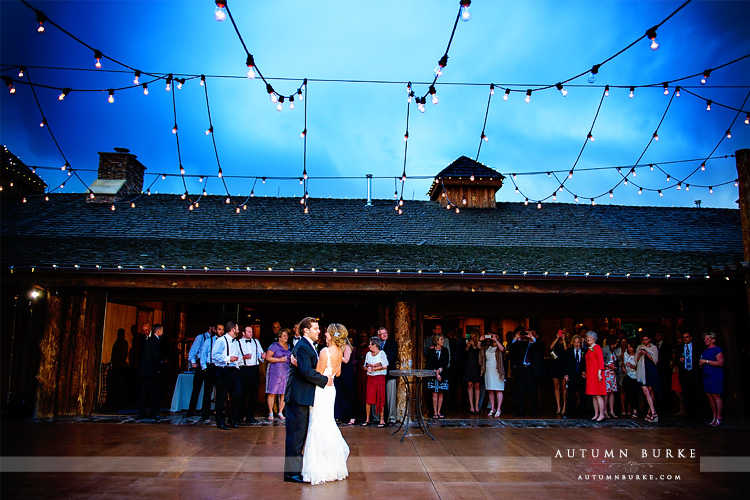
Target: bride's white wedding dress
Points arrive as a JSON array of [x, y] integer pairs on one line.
[[326, 451]]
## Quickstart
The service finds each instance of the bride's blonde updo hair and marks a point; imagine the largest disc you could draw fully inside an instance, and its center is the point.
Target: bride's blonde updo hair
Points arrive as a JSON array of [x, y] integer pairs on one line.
[[339, 334]]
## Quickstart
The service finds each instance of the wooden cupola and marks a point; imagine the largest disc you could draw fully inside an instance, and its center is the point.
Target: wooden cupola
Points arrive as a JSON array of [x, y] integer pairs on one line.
[[466, 183]]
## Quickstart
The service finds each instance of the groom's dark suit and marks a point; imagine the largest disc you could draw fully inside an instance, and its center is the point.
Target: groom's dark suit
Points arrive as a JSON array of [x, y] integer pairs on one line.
[[299, 396]]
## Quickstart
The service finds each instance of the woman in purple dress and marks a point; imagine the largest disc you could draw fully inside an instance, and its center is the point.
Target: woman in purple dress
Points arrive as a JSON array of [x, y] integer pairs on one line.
[[277, 372], [712, 362]]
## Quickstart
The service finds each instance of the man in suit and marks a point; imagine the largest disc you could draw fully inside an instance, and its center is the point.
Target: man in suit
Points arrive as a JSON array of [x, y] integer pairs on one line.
[[225, 354], [664, 368], [526, 354], [574, 366], [251, 354], [299, 396], [390, 348], [691, 378], [149, 371]]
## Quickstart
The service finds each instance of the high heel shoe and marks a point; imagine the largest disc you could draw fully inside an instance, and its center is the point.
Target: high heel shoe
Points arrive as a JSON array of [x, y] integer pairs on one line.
[[654, 418]]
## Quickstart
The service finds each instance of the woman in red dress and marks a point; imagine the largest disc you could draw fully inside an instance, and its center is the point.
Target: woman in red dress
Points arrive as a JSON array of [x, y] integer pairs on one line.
[[596, 386]]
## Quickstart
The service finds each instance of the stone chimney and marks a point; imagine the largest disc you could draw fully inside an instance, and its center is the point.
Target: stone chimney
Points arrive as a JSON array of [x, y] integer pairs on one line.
[[466, 183], [120, 177]]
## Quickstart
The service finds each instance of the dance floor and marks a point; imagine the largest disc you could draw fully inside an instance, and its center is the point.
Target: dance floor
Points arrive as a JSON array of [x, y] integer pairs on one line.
[[550, 459]]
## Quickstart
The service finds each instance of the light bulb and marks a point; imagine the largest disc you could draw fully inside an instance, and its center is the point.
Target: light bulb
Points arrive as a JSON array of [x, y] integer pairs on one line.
[[174, 129], [43, 122], [433, 93], [291, 102], [561, 89], [528, 96], [420, 105], [554, 197], [710, 189], [203, 80], [300, 95], [464, 201], [570, 174], [687, 187], [526, 202], [20, 72], [111, 97], [40, 19], [406, 136], [63, 94], [606, 91], [506, 95], [729, 134], [137, 76], [471, 178], [666, 88], [640, 191], [220, 13], [180, 83], [747, 119], [98, 65], [590, 137], [593, 73], [228, 200], [703, 167], [485, 138], [145, 89], [465, 13], [706, 74], [651, 34], [708, 105], [611, 194], [302, 135], [679, 186], [250, 66], [632, 92], [660, 193], [655, 136], [209, 130], [492, 89], [677, 92]]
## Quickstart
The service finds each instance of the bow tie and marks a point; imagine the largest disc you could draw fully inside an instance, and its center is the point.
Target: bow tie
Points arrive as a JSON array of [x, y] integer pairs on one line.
[[248, 341]]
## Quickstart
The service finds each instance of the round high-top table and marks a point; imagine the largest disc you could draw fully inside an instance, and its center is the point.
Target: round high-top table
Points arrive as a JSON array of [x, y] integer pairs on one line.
[[413, 399]]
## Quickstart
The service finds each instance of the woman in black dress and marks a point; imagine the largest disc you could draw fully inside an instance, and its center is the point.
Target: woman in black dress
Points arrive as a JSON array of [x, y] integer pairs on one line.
[[345, 406], [438, 359], [557, 370], [472, 372]]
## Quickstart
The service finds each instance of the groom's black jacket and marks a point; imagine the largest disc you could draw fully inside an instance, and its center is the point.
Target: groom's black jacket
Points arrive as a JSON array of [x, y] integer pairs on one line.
[[300, 385]]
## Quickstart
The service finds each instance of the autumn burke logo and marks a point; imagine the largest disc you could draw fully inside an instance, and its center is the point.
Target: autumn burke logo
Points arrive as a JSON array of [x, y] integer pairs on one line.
[[643, 453]]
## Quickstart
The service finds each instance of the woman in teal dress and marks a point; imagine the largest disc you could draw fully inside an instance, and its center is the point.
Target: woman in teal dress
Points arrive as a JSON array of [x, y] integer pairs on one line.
[[712, 363]]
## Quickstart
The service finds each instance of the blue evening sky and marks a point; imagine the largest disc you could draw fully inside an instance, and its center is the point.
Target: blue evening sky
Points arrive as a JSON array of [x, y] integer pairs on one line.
[[356, 128]]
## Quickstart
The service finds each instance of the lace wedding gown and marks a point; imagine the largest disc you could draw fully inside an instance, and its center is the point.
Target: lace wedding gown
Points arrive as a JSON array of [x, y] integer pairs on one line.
[[326, 451]]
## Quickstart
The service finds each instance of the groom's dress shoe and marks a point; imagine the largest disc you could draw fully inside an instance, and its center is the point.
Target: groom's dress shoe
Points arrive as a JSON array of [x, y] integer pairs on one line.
[[293, 478]]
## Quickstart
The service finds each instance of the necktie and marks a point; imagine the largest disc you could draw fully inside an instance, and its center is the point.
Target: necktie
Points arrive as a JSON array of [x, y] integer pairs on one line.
[[688, 358], [382, 345], [578, 358]]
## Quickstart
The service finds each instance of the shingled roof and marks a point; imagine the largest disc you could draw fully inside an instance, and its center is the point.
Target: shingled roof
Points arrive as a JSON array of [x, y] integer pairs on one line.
[[345, 234]]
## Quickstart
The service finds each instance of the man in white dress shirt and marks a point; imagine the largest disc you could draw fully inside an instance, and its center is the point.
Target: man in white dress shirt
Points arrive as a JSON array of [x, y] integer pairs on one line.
[[225, 354], [251, 354], [209, 370]]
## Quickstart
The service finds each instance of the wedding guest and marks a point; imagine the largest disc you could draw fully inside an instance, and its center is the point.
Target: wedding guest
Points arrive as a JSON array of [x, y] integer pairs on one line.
[[251, 355], [630, 382], [648, 376], [690, 376], [225, 355], [596, 386], [150, 372], [575, 370], [712, 362], [664, 368], [494, 372], [526, 360], [620, 351], [363, 348], [345, 407], [675, 384], [390, 348], [437, 359], [473, 371], [610, 376], [297, 336], [198, 372], [277, 357], [209, 370], [557, 370], [376, 364]]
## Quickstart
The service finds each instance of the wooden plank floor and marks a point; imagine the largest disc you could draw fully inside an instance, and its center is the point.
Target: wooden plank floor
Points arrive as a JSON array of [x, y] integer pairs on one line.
[[64, 459]]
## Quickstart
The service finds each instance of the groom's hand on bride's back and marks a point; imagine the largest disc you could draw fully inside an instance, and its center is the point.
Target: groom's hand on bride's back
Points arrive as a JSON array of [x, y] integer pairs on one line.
[[330, 380]]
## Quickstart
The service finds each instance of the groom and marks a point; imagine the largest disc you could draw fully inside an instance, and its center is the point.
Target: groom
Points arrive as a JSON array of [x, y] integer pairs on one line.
[[299, 396]]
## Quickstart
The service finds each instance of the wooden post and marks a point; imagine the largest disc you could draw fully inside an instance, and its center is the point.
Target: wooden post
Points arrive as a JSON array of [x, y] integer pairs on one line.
[[737, 344], [48, 362], [403, 334]]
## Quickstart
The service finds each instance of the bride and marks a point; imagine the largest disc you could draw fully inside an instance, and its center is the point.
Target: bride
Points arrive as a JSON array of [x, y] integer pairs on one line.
[[326, 450]]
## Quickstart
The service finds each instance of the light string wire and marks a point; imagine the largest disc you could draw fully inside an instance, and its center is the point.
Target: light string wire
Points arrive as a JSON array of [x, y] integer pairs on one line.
[[305, 177], [400, 202], [483, 137], [54, 139]]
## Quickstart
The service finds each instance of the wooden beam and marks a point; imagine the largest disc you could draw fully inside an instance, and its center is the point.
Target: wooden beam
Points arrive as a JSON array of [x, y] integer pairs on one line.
[[48, 362]]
